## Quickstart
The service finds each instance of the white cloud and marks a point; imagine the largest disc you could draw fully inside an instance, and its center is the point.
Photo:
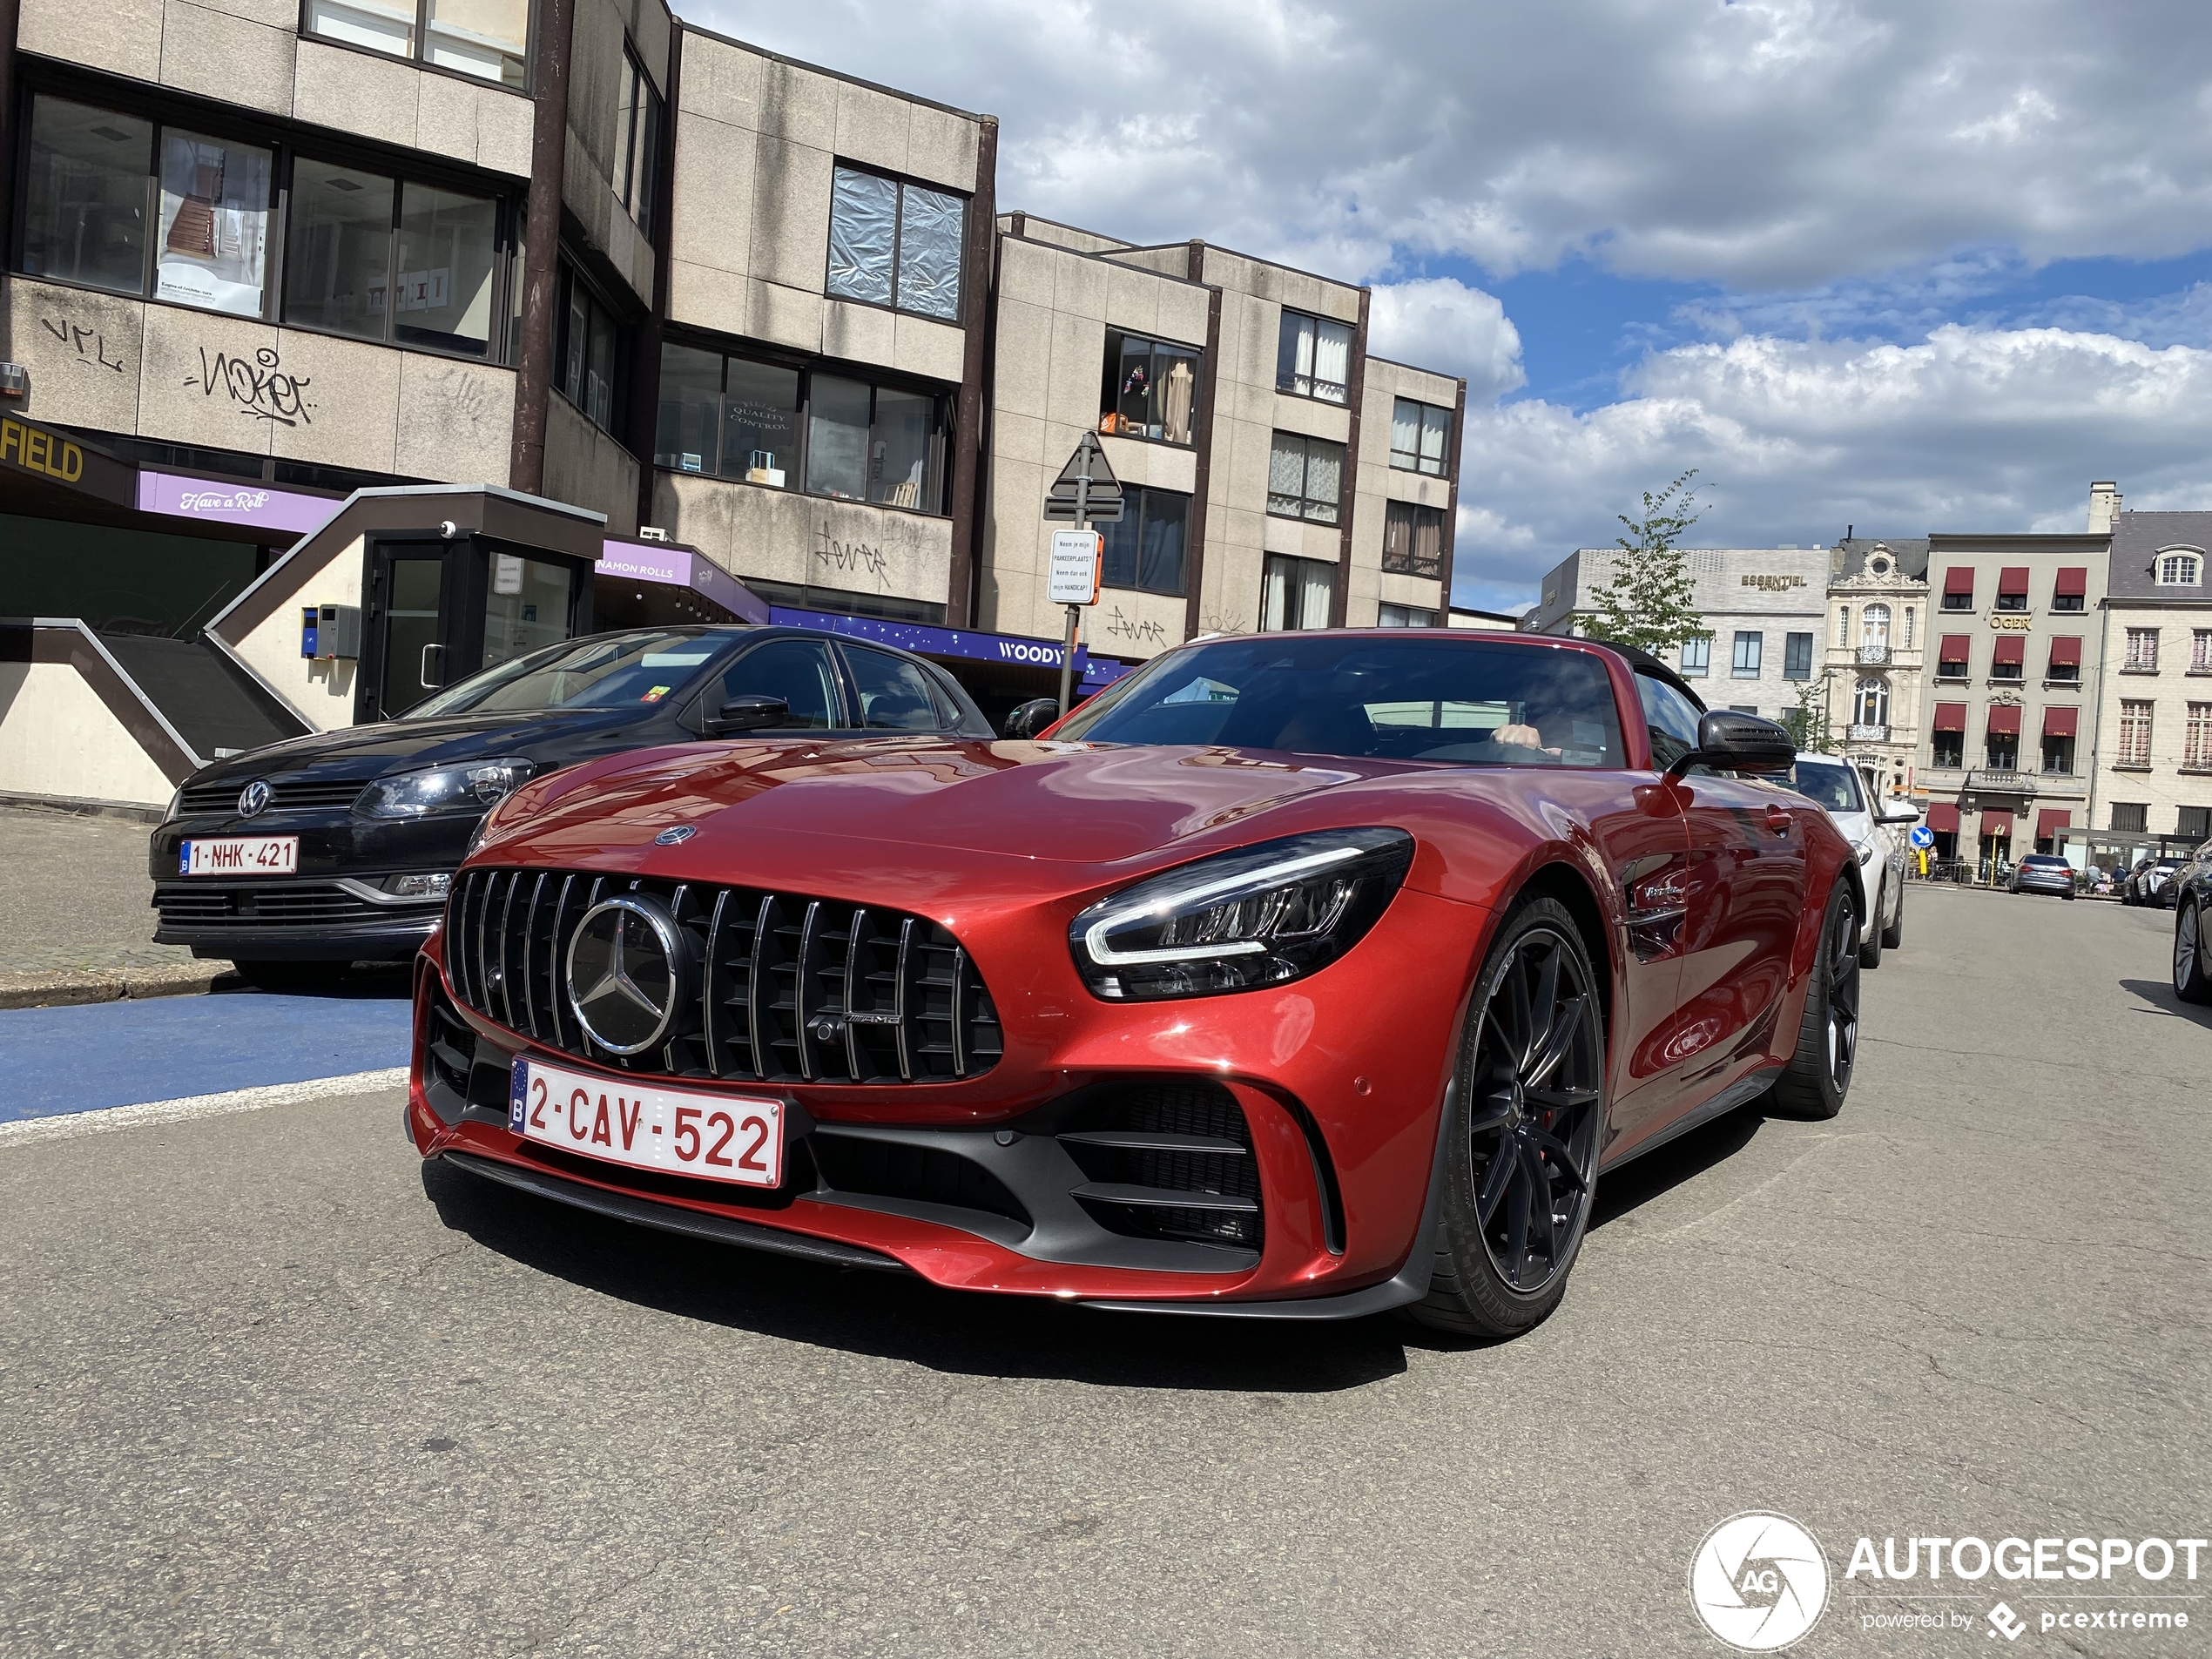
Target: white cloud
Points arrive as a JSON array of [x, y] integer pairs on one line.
[[1439, 323], [1971, 429]]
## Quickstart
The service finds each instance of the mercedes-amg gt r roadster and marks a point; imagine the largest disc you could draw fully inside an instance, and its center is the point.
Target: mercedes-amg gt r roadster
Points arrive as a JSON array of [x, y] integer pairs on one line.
[[1299, 976]]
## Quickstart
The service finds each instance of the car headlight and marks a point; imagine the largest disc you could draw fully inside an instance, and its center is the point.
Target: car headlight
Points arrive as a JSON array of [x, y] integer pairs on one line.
[[470, 787], [1260, 916]]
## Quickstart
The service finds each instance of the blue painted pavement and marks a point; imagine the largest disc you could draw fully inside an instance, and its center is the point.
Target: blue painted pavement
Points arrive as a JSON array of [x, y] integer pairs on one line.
[[54, 1060]]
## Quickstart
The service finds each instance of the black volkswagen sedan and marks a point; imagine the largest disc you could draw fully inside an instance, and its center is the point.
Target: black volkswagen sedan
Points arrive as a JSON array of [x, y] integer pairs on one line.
[[300, 858]]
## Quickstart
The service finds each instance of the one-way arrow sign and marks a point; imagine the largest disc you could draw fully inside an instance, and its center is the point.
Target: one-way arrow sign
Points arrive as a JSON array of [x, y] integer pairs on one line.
[[1100, 503]]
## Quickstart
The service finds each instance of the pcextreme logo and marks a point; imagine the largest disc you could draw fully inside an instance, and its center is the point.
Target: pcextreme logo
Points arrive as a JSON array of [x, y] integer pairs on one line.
[[1759, 1581]]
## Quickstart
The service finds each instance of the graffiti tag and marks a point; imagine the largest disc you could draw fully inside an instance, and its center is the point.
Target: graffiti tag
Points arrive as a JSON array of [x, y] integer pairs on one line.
[[261, 388], [74, 335], [1214, 622], [1119, 626], [851, 556]]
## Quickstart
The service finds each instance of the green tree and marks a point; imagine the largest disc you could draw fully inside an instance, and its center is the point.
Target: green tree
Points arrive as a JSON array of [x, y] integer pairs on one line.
[[1647, 603], [1807, 723]]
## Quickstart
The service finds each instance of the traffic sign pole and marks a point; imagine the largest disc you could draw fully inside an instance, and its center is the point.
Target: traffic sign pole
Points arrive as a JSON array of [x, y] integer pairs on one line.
[[1074, 612]]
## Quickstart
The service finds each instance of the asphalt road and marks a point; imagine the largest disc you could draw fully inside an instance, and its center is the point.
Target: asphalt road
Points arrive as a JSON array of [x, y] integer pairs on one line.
[[268, 1386]]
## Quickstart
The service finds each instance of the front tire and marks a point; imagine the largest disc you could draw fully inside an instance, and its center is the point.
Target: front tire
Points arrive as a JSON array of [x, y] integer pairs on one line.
[[1528, 1104], [1893, 935], [1869, 954], [2191, 982], [1819, 1073]]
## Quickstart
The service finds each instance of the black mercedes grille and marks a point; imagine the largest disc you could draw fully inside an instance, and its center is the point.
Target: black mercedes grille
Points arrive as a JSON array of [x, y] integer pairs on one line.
[[788, 988], [292, 905], [1169, 1161], [285, 794]]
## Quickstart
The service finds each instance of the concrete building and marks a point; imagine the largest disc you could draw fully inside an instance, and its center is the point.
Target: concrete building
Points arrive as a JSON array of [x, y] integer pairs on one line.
[[2151, 770], [1764, 611], [751, 319], [1878, 636]]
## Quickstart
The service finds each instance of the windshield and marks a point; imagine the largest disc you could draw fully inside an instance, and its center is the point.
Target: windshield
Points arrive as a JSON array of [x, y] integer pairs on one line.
[[1828, 783], [2044, 862], [1469, 702], [599, 671]]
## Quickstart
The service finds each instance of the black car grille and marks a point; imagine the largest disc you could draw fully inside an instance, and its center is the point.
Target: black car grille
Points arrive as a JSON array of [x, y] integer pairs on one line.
[[293, 905], [297, 794], [1168, 1160], [791, 989]]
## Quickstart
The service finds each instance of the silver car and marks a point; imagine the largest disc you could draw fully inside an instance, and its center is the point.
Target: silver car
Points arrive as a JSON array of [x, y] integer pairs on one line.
[[2043, 872], [1873, 828]]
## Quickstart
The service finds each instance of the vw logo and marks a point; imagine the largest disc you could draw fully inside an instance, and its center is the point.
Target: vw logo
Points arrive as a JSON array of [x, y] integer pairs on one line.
[[1758, 1581], [672, 836], [254, 800], [626, 973]]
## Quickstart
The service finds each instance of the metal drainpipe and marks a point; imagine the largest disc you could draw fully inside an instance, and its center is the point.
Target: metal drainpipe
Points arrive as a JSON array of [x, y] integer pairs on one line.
[[645, 368], [10, 19], [541, 249]]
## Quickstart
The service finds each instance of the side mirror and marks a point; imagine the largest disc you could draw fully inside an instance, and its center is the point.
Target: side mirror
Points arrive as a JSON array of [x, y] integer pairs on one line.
[[1030, 718], [1896, 810], [1727, 741], [751, 713]]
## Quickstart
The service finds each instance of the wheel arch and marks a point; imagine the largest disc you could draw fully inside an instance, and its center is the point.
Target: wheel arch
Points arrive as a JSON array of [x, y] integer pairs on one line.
[[1569, 884]]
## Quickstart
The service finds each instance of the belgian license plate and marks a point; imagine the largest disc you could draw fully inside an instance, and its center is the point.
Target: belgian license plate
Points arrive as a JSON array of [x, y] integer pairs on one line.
[[239, 855], [737, 1139]]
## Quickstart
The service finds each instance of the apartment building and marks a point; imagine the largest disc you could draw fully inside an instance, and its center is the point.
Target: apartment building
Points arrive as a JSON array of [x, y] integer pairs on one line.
[[1765, 616], [2152, 769], [1877, 598], [753, 318]]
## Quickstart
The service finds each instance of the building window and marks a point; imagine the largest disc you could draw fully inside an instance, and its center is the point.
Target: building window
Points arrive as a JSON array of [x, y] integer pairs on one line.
[[1314, 358], [1907, 644], [2178, 569], [387, 258], [2134, 733], [2012, 589], [1843, 625], [489, 39], [1796, 657], [1874, 629], [1390, 616], [1951, 657], [2131, 817], [1697, 656], [2070, 591], [1958, 589], [1145, 549], [637, 130], [586, 357], [2142, 651], [1419, 436], [2065, 666], [1305, 477], [2001, 750], [1870, 704], [1949, 750], [2058, 756], [2201, 651], [2196, 744], [1413, 539], [1295, 593], [2194, 823], [92, 174], [1152, 388], [1746, 666], [787, 428], [896, 243]]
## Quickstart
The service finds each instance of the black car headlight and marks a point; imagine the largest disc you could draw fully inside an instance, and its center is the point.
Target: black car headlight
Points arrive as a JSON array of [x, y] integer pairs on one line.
[[470, 787], [1240, 921]]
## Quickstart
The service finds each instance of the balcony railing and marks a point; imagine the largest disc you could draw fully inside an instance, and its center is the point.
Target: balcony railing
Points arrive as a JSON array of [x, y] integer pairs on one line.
[[1867, 734], [1874, 654], [2000, 781]]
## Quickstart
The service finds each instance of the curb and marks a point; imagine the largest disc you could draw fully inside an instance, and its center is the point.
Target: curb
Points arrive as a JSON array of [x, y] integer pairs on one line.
[[67, 988]]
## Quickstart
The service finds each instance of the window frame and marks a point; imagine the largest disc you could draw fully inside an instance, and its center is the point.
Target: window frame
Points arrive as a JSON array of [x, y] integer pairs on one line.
[[2177, 556], [636, 187], [1305, 473], [1410, 512], [806, 368], [1944, 756], [966, 197], [570, 275], [1299, 589], [1109, 373], [1443, 462], [1351, 352], [2197, 736], [163, 113], [1796, 657], [2134, 733], [1139, 497], [1737, 668], [2139, 810], [1704, 667], [1407, 615], [414, 57], [2132, 661]]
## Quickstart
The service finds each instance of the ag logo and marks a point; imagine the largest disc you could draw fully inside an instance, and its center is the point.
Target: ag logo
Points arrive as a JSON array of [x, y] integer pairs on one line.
[[1759, 1581]]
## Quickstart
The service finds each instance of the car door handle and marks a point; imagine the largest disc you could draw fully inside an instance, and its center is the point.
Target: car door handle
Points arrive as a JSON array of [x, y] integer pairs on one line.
[[1779, 818], [423, 670]]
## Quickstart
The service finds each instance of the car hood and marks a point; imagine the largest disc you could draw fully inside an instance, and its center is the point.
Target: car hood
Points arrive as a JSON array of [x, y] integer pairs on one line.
[[396, 746], [1856, 826], [1067, 802]]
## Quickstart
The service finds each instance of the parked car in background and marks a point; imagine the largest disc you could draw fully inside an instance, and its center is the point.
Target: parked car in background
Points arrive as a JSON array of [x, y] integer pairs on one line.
[[1874, 827], [2151, 882], [2192, 890], [2043, 872], [296, 860]]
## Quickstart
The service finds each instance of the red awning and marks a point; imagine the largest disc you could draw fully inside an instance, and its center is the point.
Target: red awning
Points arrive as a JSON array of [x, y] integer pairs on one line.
[[1956, 649], [2061, 722], [1998, 821], [1950, 717], [2010, 648], [2052, 817], [1942, 816], [1960, 578], [2012, 579], [2066, 651], [2074, 580], [2004, 718]]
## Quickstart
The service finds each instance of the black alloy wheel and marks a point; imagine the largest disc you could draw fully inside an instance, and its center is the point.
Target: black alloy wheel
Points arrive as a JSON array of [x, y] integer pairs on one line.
[[2191, 982], [1819, 1073], [1530, 1094]]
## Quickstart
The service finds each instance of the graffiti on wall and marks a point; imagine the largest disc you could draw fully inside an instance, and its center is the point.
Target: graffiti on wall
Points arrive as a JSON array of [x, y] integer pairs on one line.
[[1119, 625], [75, 335], [259, 386], [849, 556]]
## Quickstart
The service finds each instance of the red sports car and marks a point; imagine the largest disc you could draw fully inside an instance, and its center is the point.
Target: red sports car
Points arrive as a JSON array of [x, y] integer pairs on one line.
[[1296, 975]]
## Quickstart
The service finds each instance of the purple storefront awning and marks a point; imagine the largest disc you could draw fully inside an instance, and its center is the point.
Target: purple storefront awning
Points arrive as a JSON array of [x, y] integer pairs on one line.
[[928, 641], [680, 567], [283, 512]]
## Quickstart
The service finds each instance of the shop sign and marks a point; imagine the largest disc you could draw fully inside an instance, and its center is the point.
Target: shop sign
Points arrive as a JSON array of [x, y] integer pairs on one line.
[[1773, 584], [954, 642], [256, 506], [28, 448], [679, 566], [2012, 624]]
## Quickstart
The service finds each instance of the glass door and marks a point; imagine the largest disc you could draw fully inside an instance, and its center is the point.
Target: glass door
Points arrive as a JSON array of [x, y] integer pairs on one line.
[[408, 615]]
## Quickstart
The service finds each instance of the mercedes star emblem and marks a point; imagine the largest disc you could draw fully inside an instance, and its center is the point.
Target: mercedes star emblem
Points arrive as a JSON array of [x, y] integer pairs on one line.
[[678, 832], [254, 800], [626, 973]]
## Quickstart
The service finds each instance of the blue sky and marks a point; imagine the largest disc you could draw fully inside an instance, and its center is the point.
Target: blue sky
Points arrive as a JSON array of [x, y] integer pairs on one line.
[[1887, 263]]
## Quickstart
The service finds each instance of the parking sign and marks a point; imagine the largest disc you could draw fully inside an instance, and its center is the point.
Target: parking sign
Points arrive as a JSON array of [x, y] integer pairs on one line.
[[1076, 558]]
